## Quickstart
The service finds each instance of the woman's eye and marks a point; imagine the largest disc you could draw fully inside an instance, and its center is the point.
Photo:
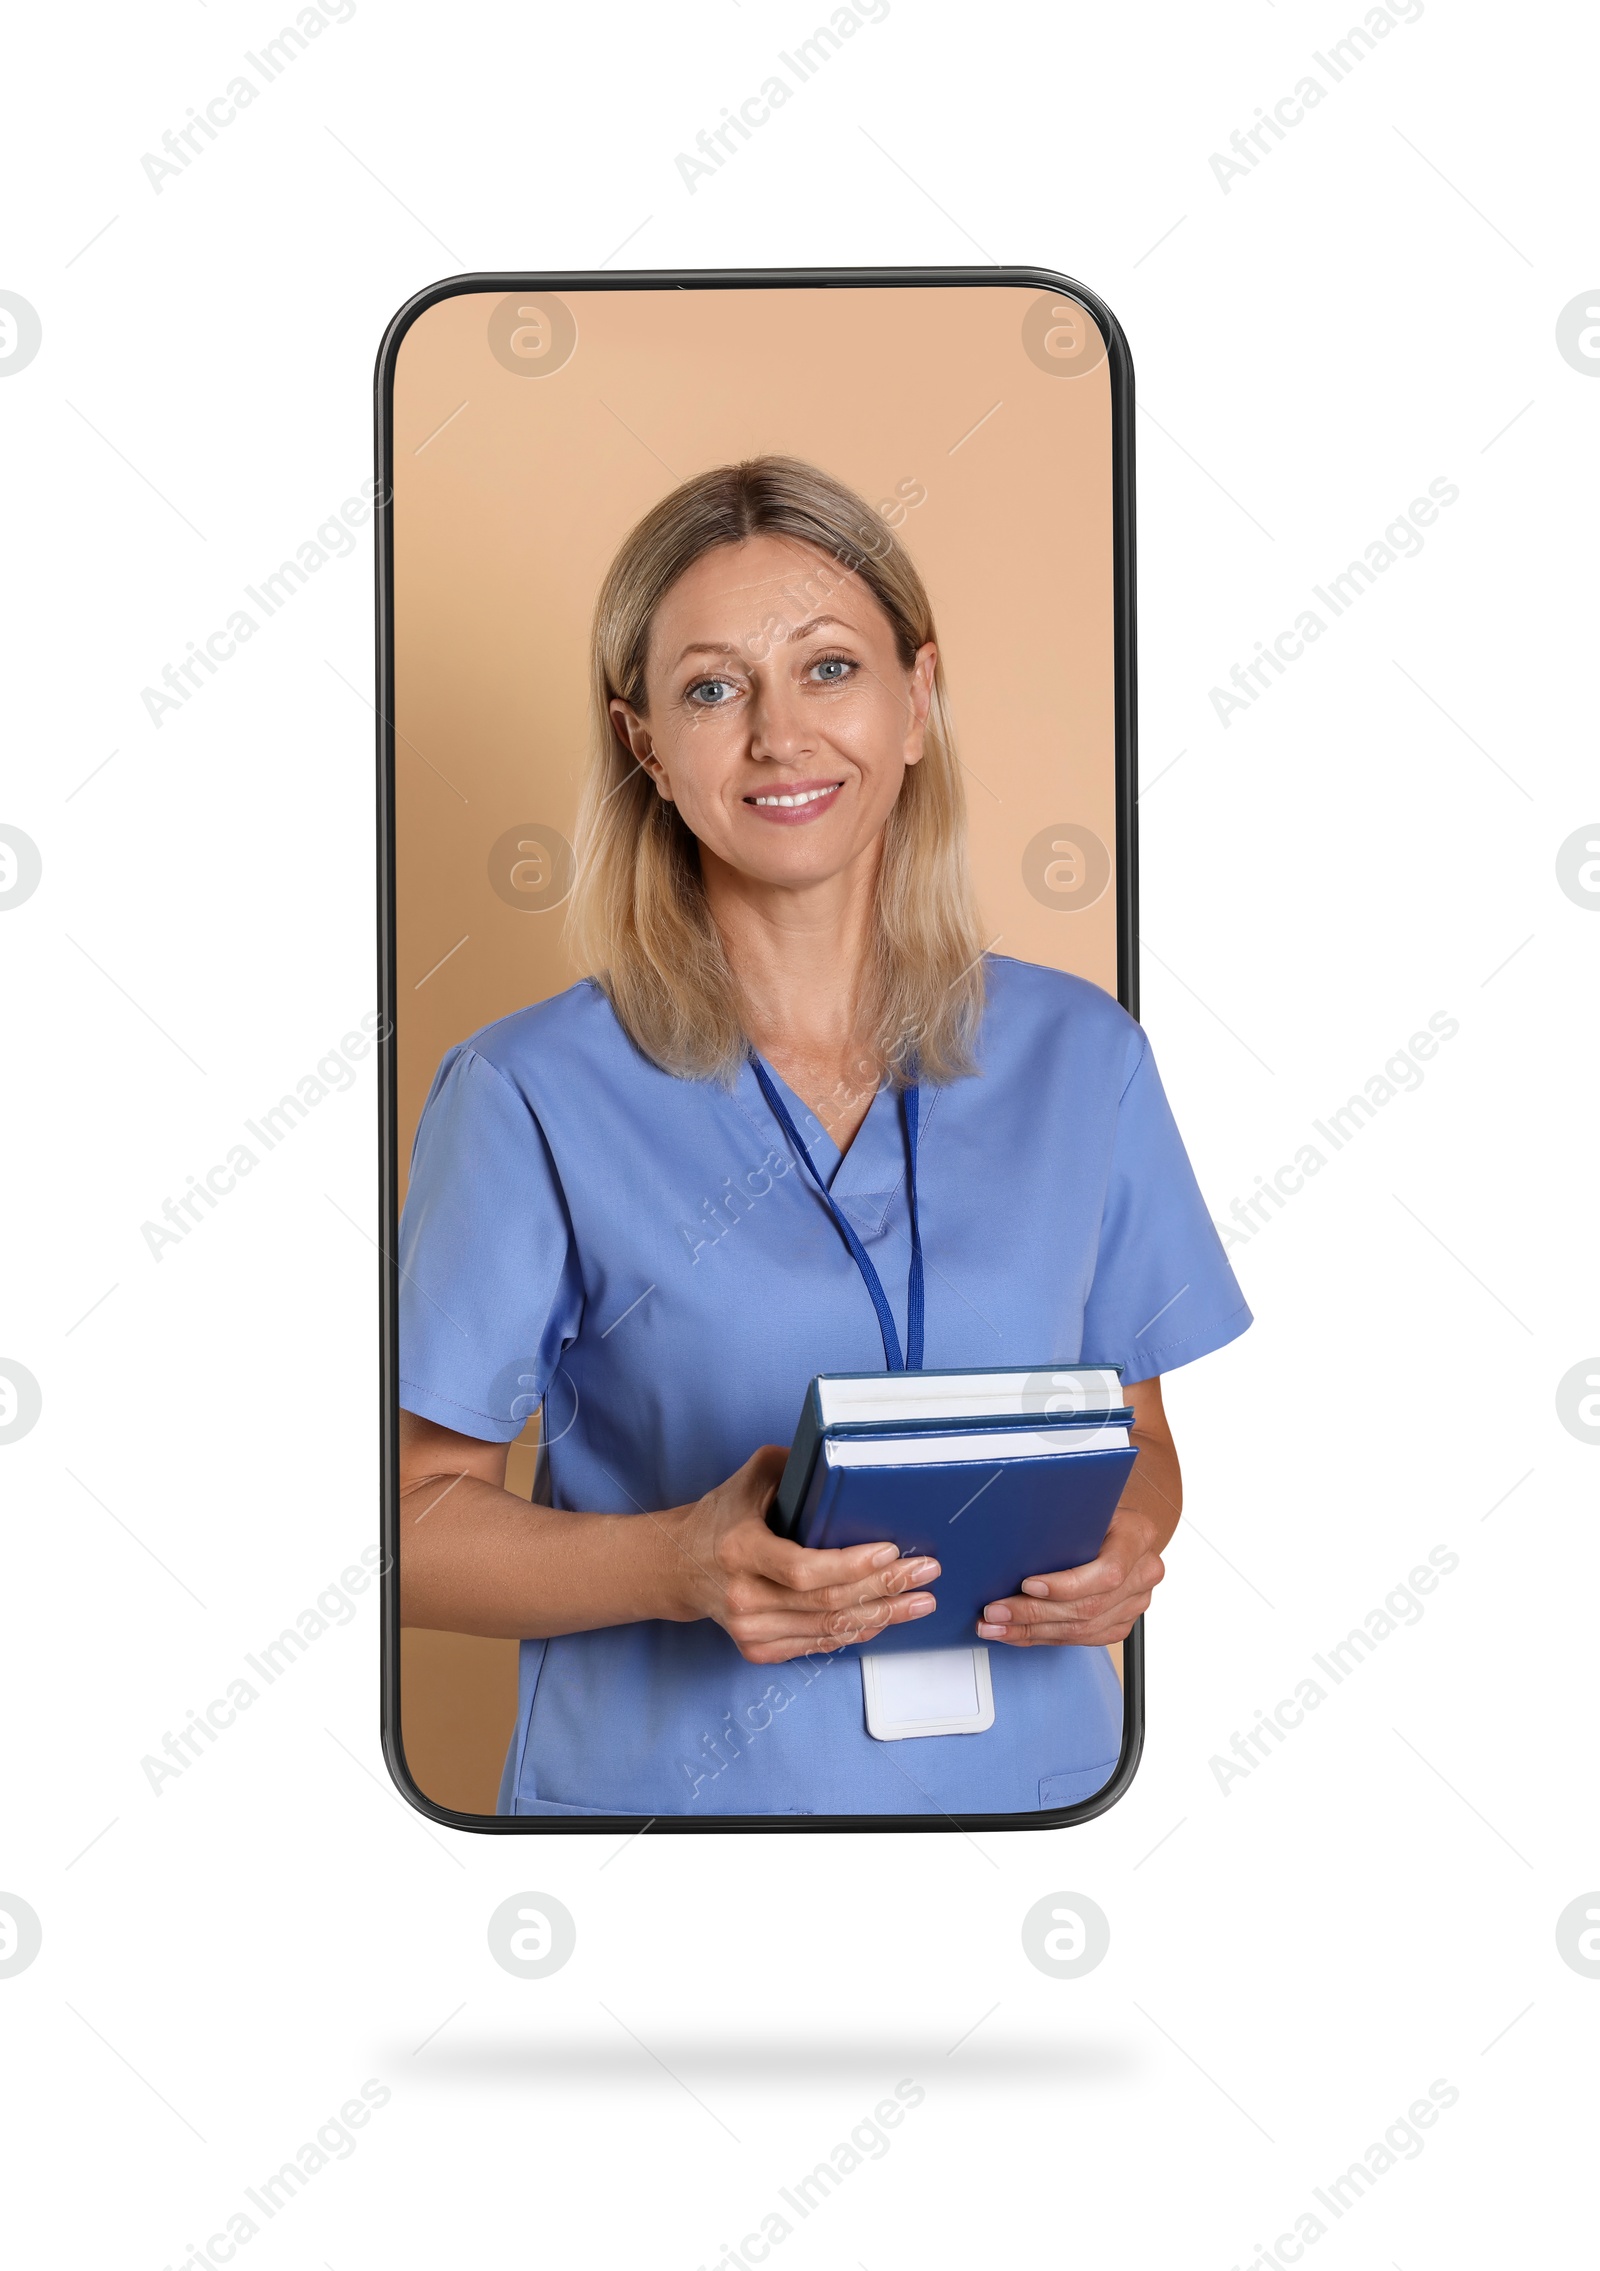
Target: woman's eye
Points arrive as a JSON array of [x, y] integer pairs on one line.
[[711, 693], [833, 669]]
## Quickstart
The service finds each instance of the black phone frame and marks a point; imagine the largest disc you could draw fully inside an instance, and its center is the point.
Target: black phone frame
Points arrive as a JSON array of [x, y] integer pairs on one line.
[[1124, 666]]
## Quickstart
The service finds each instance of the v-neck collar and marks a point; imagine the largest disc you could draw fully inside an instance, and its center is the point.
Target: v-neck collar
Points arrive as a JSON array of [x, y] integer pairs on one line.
[[874, 1165]]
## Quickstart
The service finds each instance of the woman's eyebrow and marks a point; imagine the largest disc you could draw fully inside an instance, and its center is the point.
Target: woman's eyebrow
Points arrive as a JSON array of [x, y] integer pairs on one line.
[[804, 630], [731, 646]]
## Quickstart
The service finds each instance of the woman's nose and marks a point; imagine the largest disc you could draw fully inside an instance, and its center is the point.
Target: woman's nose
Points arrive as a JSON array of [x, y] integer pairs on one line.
[[778, 727]]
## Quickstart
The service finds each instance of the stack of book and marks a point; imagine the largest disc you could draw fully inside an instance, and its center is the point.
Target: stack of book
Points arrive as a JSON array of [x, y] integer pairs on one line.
[[999, 1475]]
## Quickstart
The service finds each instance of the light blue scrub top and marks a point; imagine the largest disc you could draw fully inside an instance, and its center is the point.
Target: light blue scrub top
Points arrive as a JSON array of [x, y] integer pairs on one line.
[[643, 1255]]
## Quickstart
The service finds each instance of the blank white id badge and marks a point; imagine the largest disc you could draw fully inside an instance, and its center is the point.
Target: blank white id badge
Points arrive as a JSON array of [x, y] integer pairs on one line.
[[927, 1691]]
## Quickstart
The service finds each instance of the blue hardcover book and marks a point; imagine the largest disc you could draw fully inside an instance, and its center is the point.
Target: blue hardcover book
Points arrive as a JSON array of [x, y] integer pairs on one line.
[[991, 1506], [842, 1404]]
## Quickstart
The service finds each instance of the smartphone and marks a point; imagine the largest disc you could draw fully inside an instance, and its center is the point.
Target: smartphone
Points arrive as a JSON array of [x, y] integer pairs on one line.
[[812, 481]]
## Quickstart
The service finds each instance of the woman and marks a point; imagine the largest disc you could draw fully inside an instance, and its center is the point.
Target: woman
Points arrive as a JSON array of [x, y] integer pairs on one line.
[[606, 1217]]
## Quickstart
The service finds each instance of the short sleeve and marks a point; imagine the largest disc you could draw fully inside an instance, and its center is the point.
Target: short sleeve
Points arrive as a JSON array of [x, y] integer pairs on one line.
[[489, 1286], [1162, 1292]]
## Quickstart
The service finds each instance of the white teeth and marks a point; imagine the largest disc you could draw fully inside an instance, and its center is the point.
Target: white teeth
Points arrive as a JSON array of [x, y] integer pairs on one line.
[[806, 796]]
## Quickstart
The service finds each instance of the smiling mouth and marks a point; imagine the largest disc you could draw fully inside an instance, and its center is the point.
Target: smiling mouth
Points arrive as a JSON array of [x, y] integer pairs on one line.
[[795, 799]]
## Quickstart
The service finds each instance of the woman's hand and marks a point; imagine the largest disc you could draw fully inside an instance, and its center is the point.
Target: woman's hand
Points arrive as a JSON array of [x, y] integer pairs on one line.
[[1088, 1607], [1100, 1603], [773, 1598]]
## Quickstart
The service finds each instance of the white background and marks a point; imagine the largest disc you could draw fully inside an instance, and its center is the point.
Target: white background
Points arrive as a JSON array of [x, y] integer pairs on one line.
[[1293, 1959]]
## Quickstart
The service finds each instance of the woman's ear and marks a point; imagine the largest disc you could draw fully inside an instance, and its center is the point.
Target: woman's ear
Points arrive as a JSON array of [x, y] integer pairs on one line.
[[634, 735], [919, 699]]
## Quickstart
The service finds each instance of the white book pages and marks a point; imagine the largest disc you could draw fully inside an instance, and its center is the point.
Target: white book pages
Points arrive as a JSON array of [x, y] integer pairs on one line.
[[999, 1446], [973, 1395]]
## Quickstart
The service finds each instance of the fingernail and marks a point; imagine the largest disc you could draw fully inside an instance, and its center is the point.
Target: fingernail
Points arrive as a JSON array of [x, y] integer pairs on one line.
[[921, 1607], [998, 1615], [921, 1571], [884, 1555], [991, 1632], [1036, 1586]]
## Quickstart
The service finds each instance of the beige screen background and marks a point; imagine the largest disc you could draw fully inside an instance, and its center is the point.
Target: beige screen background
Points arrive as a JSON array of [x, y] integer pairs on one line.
[[530, 432]]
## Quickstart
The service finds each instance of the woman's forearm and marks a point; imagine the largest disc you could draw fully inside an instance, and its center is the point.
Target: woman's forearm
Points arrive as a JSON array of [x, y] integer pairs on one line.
[[475, 1558], [1155, 1487]]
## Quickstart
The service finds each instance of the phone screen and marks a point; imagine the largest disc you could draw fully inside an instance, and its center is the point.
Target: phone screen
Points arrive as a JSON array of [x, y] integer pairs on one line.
[[977, 424]]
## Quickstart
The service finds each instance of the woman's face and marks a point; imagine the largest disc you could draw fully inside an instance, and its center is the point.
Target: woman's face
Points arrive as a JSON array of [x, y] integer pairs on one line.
[[779, 717]]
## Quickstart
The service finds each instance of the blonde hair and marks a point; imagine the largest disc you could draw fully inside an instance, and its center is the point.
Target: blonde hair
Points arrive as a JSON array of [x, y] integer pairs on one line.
[[639, 918]]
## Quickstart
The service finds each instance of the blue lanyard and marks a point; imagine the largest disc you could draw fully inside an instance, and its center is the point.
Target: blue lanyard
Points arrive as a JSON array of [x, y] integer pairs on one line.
[[909, 1104]]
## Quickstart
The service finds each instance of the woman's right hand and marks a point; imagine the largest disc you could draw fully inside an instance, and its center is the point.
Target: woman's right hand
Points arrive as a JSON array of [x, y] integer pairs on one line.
[[776, 1599]]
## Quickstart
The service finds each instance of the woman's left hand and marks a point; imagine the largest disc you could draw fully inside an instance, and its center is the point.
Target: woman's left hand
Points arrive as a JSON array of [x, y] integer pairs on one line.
[[1088, 1607]]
